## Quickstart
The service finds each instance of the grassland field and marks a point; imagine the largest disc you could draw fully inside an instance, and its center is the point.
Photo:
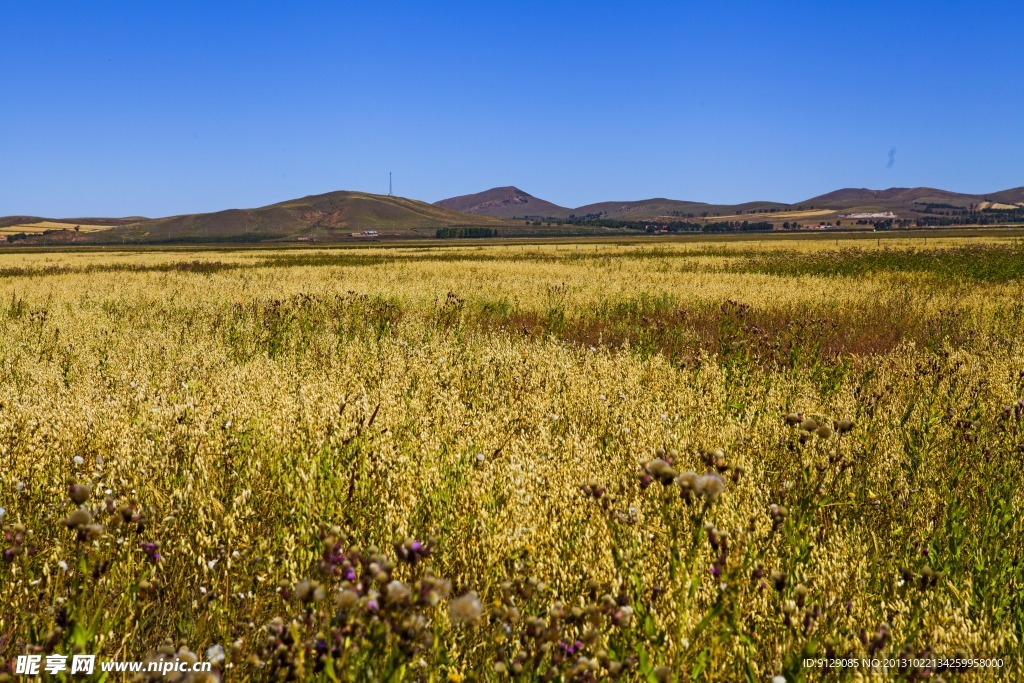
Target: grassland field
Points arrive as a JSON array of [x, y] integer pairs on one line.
[[687, 460], [42, 226]]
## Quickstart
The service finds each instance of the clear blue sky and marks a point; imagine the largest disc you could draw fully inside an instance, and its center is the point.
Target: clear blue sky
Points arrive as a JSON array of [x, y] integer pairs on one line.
[[143, 108]]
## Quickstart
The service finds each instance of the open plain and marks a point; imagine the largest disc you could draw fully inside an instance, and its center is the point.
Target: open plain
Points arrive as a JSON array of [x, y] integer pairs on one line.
[[709, 461]]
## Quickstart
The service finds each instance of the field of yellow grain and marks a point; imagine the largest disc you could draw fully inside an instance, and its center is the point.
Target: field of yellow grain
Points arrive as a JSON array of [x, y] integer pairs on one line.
[[43, 226], [707, 462]]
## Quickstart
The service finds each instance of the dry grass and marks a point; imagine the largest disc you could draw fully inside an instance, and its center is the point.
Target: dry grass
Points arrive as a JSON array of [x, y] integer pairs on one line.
[[43, 226], [778, 215], [274, 423]]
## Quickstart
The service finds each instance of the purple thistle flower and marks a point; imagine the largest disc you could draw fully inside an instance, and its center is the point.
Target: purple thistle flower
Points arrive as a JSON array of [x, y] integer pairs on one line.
[[151, 551]]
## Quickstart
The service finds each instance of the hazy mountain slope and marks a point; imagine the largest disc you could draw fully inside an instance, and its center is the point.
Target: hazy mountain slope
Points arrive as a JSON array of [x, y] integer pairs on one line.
[[335, 215], [325, 216], [894, 198], [673, 208], [504, 202], [1012, 196]]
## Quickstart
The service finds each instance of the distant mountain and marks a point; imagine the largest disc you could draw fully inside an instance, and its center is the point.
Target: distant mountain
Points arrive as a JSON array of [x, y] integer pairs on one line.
[[912, 202], [672, 208], [1014, 196], [336, 215], [905, 202], [643, 207], [895, 196], [323, 217], [503, 202], [511, 202]]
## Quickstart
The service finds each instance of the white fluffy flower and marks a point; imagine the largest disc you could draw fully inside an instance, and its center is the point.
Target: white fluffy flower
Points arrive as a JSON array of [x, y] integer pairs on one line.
[[466, 609], [215, 655]]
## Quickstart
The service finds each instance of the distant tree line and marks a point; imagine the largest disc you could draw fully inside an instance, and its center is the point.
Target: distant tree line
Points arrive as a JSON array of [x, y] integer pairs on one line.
[[467, 232], [983, 217], [888, 224], [737, 226], [646, 226], [676, 226], [944, 209]]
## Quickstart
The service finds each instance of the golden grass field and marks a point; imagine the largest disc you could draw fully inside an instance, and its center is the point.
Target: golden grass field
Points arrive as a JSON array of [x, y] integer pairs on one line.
[[997, 205], [43, 226], [805, 214], [704, 461]]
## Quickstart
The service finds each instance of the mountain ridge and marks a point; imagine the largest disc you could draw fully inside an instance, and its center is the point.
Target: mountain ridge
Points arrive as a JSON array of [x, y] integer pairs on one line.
[[321, 217], [911, 201], [504, 202], [344, 214]]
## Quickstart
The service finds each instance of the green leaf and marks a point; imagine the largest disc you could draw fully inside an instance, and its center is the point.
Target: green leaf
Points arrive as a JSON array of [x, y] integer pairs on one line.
[[643, 661], [650, 628]]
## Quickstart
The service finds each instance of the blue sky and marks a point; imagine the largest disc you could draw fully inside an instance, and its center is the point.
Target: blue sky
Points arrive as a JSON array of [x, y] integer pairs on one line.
[[139, 108]]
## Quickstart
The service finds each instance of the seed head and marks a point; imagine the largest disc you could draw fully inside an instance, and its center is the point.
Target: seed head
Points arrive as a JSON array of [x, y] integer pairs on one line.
[[809, 425], [79, 493], [78, 519], [709, 485], [309, 591], [215, 654], [778, 514], [687, 480], [662, 471], [347, 600], [623, 616], [397, 593], [466, 609]]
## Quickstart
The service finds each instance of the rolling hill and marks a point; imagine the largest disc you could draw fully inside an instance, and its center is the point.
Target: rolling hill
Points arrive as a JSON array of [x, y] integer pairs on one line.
[[342, 215], [511, 202], [1013, 196], [323, 217], [504, 202], [671, 208], [902, 201], [898, 195]]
